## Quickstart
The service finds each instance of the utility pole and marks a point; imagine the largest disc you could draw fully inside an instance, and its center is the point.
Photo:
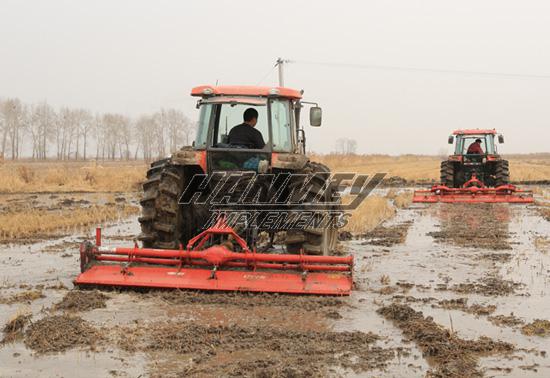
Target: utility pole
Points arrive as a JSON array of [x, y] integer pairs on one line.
[[280, 64]]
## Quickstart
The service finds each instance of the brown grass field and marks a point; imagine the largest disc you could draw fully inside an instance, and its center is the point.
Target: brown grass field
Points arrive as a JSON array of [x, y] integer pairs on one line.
[[53, 176], [529, 167], [33, 224], [26, 177], [56, 177]]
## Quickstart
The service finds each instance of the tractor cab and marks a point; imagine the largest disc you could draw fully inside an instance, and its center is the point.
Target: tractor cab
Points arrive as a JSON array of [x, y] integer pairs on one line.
[[485, 165], [465, 138], [222, 108]]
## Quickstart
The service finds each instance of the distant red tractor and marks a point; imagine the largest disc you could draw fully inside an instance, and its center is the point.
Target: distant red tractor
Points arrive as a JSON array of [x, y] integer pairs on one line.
[[486, 164], [475, 173]]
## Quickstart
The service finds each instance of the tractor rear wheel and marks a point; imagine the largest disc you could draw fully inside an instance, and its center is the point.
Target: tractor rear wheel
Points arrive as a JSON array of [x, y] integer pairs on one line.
[[162, 220], [502, 173], [447, 174], [314, 241]]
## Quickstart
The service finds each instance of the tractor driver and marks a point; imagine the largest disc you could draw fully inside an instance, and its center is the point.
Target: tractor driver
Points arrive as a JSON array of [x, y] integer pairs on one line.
[[245, 134], [475, 148]]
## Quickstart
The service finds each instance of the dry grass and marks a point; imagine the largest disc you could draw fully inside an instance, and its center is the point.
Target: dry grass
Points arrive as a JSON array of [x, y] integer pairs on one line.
[[23, 297], [401, 199], [409, 167], [13, 329], [532, 167], [370, 213], [42, 223], [28, 177], [542, 243], [539, 327]]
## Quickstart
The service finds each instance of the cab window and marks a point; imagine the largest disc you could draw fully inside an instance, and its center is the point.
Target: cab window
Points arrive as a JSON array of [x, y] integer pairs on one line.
[[281, 126]]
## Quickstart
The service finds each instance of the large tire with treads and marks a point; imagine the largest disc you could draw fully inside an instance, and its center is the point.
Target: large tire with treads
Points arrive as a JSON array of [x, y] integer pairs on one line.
[[447, 174], [315, 241], [502, 173], [163, 220]]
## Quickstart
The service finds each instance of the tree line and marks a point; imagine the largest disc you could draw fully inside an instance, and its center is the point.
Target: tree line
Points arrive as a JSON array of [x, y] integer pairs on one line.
[[39, 131]]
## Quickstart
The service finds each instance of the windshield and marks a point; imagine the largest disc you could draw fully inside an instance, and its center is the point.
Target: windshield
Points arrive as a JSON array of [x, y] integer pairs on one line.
[[463, 142], [218, 118]]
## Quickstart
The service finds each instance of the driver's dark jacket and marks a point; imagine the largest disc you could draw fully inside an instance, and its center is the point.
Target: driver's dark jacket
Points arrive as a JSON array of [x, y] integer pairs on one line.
[[246, 136]]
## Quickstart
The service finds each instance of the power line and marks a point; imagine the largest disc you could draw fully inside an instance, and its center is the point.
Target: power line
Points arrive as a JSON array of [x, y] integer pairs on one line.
[[267, 74], [420, 69]]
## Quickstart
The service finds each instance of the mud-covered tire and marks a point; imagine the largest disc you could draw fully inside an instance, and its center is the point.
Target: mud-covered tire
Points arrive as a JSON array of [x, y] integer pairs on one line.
[[162, 219], [314, 241], [502, 173], [447, 174]]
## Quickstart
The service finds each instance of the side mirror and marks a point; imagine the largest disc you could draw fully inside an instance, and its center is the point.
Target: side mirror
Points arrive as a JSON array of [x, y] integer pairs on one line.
[[451, 139], [315, 116], [501, 138]]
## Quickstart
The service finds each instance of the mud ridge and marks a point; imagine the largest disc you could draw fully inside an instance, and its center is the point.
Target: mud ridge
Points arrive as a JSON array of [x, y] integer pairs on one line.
[[462, 305], [449, 355], [492, 285], [285, 352], [538, 327], [387, 236], [82, 300], [60, 332], [308, 303]]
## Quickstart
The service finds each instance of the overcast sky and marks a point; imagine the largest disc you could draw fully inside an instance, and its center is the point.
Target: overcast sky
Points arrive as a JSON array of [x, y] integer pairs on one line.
[[134, 57]]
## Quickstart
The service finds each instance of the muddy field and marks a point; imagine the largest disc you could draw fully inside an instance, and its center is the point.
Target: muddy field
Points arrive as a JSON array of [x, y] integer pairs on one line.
[[441, 291]]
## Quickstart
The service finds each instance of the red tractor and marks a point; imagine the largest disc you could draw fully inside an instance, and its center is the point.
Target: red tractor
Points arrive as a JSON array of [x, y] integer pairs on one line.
[[188, 245], [485, 163], [475, 173]]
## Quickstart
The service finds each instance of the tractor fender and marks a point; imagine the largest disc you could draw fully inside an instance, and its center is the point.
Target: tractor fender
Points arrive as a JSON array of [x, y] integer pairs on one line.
[[188, 156], [288, 161]]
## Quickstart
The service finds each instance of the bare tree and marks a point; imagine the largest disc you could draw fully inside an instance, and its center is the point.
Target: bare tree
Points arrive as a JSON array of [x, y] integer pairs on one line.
[[346, 146], [145, 136], [13, 123], [41, 127], [75, 131]]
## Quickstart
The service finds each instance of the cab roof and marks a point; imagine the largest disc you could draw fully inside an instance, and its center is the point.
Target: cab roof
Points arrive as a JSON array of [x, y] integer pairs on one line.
[[475, 132], [244, 90]]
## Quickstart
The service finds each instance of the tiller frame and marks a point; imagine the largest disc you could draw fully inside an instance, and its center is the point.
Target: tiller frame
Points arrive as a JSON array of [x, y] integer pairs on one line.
[[473, 191], [214, 268]]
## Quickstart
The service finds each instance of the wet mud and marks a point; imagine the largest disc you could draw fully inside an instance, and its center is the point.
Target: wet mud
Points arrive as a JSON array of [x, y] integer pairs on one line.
[[58, 333], [219, 350], [82, 300], [474, 225], [387, 235], [450, 355], [13, 330], [539, 327], [433, 297]]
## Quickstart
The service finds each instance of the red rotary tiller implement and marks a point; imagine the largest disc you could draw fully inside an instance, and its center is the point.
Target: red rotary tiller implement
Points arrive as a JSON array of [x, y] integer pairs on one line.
[[214, 267], [473, 191]]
